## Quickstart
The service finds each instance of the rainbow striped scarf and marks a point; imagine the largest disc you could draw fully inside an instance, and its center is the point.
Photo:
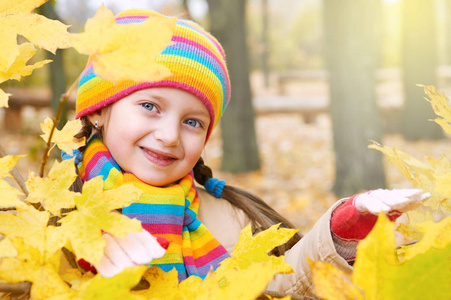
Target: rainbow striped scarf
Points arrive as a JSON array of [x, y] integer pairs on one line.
[[169, 212]]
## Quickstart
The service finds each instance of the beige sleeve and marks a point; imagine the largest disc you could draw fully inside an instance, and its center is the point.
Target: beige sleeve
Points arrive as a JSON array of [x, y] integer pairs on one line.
[[317, 245]]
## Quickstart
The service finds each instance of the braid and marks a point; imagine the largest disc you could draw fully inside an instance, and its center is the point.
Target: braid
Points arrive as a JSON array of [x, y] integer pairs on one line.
[[262, 216], [202, 172], [85, 131]]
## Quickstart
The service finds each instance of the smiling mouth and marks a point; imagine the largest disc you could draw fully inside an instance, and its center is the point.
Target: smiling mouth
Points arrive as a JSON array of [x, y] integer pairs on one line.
[[159, 158]]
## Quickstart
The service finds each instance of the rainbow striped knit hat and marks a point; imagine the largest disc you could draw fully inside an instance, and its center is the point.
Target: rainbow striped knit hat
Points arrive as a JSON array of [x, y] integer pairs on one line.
[[195, 58]]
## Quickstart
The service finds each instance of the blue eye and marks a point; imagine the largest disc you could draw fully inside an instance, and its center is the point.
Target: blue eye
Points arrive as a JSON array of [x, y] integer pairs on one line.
[[192, 122], [148, 106]]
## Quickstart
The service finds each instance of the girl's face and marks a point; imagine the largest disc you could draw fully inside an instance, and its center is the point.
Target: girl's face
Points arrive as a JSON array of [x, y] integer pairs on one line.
[[158, 134]]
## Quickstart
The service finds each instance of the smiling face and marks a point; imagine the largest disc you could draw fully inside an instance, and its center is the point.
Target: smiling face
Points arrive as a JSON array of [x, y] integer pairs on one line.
[[158, 134]]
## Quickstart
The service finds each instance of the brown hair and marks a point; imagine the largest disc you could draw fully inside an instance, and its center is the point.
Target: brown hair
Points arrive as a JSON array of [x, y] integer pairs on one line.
[[262, 216]]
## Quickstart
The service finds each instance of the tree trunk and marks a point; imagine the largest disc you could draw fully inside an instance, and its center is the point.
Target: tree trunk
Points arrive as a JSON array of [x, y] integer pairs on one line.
[[265, 44], [56, 69], [227, 24], [447, 22], [352, 42], [419, 64]]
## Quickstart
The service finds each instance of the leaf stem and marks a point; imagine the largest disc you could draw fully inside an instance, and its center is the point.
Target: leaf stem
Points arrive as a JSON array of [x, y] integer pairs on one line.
[[64, 98]]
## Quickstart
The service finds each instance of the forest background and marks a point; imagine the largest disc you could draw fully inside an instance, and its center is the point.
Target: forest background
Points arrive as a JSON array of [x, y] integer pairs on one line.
[[303, 135]]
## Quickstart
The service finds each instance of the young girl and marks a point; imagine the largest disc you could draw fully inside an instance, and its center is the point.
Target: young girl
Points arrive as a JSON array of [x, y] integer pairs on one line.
[[152, 134]]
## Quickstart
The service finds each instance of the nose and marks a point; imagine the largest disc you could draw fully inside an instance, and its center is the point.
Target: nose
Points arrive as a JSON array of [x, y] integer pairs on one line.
[[168, 132]]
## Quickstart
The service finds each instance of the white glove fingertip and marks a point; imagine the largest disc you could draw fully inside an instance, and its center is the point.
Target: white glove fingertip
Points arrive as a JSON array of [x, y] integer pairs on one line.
[[106, 268], [115, 253], [425, 196], [377, 207], [154, 248], [134, 249]]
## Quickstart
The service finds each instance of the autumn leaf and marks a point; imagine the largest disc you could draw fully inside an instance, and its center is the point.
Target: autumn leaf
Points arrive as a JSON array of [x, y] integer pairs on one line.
[[4, 98], [30, 265], [125, 51], [75, 277], [10, 195], [7, 248], [245, 275], [163, 285], [96, 212], [251, 248], [432, 177], [332, 283], [14, 7], [53, 191], [64, 138], [7, 163], [98, 288], [410, 231], [19, 68], [440, 105], [31, 225], [17, 18], [435, 235], [423, 276]]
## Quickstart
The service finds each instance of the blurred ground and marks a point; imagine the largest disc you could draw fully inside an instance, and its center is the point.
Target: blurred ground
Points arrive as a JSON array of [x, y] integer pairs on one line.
[[297, 158]]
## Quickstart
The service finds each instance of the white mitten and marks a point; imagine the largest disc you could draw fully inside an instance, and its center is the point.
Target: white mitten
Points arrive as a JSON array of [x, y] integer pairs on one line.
[[400, 200], [132, 250]]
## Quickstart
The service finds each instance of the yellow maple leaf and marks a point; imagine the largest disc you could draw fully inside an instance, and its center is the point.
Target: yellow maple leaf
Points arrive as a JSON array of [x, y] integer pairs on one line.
[[374, 256], [19, 67], [7, 248], [30, 265], [125, 51], [435, 235], [64, 138], [409, 231], [405, 163], [98, 288], [17, 18], [4, 97], [12, 7], [381, 275], [96, 212], [31, 225], [10, 195], [251, 248], [432, 177], [76, 278], [53, 191], [163, 285], [331, 283], [7, 163], [440, 105], [245, 275]]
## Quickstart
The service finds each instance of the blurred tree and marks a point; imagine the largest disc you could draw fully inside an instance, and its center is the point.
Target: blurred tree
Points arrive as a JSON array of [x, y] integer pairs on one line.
[[240, 150], [265, 52], [419, 65], [448, 32], [56, 68], [352, 51]]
